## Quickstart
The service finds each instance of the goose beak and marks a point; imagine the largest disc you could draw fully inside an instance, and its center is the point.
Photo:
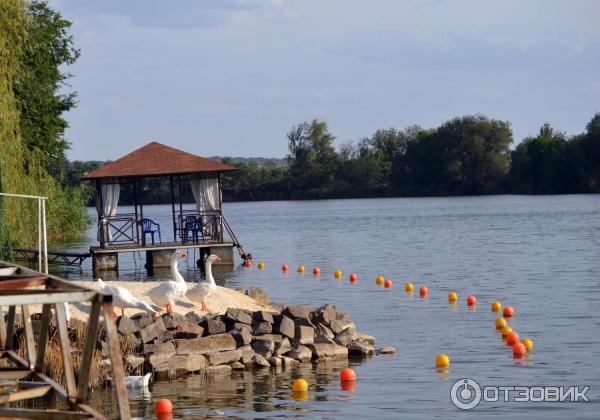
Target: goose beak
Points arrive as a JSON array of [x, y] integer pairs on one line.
[[217, 258], [183, 254]]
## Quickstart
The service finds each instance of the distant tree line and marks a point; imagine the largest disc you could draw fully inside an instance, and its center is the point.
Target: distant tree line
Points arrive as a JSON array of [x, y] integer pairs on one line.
[[468, 155]]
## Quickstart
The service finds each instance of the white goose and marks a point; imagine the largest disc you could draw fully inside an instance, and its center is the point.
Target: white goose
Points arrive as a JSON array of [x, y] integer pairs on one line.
[[166, 293], [202, 291], [123, 298], [138, 381]]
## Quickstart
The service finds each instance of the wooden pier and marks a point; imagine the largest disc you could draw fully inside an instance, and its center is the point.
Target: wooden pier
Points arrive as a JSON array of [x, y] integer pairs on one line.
[[23, 378], [71, 259]]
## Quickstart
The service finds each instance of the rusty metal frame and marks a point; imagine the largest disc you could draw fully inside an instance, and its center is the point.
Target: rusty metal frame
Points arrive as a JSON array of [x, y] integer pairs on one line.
[[27, 287]]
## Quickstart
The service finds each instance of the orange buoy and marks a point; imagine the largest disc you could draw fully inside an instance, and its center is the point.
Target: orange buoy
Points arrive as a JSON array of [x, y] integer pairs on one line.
[[347, 374], [409, 287], [471, 300], [423, 291], [512, 338], [388, 284], [379, 280], [163, 406], [316, 271], [284, 268], [442, 361], [247, 264], [348, 385], [452, 297], [519, 350], [300, 385], [261, 265], [527, 343], [496, 306], [508, 312], [505, 331], [337, 274], [353, 277], [500, 323]]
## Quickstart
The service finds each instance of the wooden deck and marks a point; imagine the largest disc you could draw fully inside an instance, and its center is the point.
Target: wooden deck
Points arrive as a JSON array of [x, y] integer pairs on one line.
[[158, 246]]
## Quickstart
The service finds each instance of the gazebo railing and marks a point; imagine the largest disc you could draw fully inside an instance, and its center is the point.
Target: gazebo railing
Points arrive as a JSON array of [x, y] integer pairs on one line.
[[123, 229], [199, 226]]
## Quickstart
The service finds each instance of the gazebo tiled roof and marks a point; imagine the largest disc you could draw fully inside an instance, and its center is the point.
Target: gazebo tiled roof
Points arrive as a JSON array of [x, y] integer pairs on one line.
[[155, 159]]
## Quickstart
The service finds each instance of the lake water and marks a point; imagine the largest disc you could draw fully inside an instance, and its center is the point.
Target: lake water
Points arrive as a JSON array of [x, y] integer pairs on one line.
[[540, 255]]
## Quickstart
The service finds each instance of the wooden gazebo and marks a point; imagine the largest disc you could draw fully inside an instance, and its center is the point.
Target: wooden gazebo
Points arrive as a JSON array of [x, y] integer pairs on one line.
[[204, 227]]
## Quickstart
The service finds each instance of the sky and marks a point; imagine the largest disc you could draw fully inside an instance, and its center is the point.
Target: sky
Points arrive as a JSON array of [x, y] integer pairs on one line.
[[231, 77]]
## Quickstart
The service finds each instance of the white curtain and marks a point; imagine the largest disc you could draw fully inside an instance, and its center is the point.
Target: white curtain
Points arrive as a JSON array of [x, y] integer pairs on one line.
[[110, 202], [207, 195]]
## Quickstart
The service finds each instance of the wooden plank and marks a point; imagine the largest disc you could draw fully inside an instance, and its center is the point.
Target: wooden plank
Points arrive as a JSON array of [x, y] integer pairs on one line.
[[43, 338], [10, 327], [116, 361], [65, 348], [14, 373], [25, 394], [19, 282], [2, 328], [88, 351], [29, 341], [30, 413], [22, 297]]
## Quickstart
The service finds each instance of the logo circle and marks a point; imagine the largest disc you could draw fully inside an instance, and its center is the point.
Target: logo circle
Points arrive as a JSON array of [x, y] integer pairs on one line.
[[465, 393]]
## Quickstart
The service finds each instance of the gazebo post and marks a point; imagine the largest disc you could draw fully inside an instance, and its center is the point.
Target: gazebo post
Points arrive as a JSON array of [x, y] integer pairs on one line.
[[180, 206], [135, 206], [99, 209], [173, 209], [142, 215], [220, 207]]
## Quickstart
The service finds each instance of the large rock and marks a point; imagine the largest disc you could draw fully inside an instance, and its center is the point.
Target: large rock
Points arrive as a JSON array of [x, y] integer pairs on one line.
[[218, 370], [247, 354], [282, 347], [263, 316], [288, 362], [259, 295], [301, 353], [143, 319], [275, 362], [187, 331], [224, 357], [126, 325], [237, 366], [168, 368], [340, 325], [325, 314], [242, 337], [321, 339], [196, 362], [263, 347], [326, 351], [261, 327], [209, 344], [133, 362], [164, 337], [346, 337], [260, 362], [360, 349], [285, 326], [213, 326], [304, 335], [387, 350], [276, 338], [323, 330], [299, 311], [238, 326], [166, 348], [152, 331], [238, 315], [173, 320], [365, 338], [193, 318]]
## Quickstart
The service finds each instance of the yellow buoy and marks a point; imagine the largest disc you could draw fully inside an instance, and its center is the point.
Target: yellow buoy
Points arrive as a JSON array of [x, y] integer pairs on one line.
[[506, 330], [338, 274], [496, 306], [500, 323], [409, 287], [527, 343], [442, 361], [300, 385], [379, 280], [452, 297], [301, 269], [261, 265]]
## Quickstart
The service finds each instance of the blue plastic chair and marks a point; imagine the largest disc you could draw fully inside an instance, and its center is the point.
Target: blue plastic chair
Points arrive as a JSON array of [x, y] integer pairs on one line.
[[193, 226], [147, 227]]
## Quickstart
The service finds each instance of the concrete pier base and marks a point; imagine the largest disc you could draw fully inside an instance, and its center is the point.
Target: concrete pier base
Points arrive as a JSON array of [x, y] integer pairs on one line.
[[108, 261]]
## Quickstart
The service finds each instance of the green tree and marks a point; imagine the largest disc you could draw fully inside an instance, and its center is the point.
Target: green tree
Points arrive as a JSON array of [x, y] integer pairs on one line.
[[48, 48], [590, 149]]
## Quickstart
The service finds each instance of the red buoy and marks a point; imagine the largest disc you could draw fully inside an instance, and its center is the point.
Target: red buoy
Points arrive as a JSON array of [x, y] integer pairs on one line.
[[508, 311], [164, 406], [347, 374], [353, 278], [423, 291], [512, 338], [316, 271], [519, 350], [284, 268], [247, 264], [388, 284], [471, 300]]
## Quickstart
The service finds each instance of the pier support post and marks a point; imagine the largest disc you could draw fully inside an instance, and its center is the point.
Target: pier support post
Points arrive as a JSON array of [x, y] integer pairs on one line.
[[225, 253], [105, 261]]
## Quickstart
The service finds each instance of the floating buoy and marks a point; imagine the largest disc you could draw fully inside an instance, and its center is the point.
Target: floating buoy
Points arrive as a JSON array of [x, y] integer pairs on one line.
[[388, 284], [471, 300], [348, 385], [337, 274], [452, 297], [505, 331], [300, 269], [347, 374], [527, 343], [500, 323], [316, 271], [284, 268], [247, 264], [379, 280], [519, 350], [512, 338], [423, 291], [508, 312], [442, 361], [300, 385], [260, 265], [409, 287], [353, 277], [163, 406], [496, 306]]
